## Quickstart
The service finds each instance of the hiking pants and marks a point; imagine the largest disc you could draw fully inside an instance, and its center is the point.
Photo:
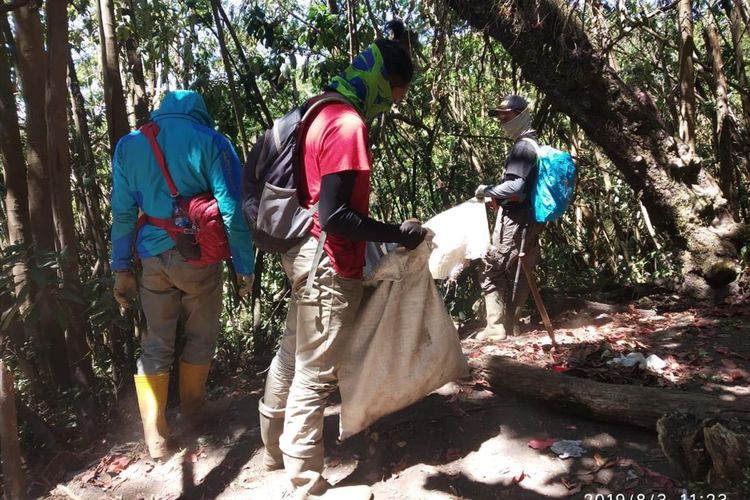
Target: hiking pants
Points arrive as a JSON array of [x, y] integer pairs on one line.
[[304, 371], [173, 290], [501, 261]]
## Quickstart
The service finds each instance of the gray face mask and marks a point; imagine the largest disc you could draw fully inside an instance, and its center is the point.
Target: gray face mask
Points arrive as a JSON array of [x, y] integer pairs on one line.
[[518, 125]]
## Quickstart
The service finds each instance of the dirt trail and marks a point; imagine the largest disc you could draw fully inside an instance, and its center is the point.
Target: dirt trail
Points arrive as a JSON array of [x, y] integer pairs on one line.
[[464, 441]]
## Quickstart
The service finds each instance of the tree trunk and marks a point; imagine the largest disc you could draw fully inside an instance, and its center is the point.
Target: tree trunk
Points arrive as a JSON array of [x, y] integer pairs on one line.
[[684, 200], [188, 58], [687, 74], [14, 482], [737, 28], [17, 209], [32, 75], [723, 132], [89, 187], [351, 24], [252, 91], [16, 190], [625, 404], [114, 97], [59, 168], [141, 105], [238, 114]]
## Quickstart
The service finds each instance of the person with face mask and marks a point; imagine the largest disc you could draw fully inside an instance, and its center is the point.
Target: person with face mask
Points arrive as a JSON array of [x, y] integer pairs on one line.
[[335, 173], [515, 225]]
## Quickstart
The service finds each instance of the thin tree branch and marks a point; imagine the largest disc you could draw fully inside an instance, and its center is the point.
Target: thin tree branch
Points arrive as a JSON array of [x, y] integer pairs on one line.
[[14, 4], [373, 20]]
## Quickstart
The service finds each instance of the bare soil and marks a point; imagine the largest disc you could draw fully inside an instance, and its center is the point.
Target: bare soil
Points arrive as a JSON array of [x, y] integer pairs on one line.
[[464, 441]]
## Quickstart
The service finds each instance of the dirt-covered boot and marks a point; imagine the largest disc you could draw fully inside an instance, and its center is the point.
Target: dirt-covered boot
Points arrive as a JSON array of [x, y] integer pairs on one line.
[[271, 427], [495, 329], [152, 403], [193, 405]]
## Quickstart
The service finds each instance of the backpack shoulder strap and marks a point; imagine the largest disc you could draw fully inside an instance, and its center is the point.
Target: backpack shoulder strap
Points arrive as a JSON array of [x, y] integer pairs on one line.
[[311, 107], [533, 143], [151, 130], [316, 103]]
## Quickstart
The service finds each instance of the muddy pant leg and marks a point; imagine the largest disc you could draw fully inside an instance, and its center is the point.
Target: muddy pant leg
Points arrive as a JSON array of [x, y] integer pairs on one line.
[[273, 404], [201, 308], [494, 276], [160, 301]]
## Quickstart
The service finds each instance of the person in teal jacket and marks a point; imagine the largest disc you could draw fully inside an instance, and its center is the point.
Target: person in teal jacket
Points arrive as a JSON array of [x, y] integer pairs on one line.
[[171, 289]]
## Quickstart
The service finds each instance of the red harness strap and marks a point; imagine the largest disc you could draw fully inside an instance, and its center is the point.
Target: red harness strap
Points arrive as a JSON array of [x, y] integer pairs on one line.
[[150, 130]]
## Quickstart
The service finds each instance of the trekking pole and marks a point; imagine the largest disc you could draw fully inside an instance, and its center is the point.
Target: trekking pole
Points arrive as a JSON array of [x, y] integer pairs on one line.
[[521, 253], [538, 300], [533, 288]]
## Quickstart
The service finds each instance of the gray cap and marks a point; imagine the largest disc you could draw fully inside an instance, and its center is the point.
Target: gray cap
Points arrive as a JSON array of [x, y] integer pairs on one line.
[[510, 103]]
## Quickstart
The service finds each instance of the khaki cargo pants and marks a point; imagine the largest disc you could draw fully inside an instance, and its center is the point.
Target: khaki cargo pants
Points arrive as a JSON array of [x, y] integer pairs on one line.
[[173, 290], [304, 371], [501, 261]]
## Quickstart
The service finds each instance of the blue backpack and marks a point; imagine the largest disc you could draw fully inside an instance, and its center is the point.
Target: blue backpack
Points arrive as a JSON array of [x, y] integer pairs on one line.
[[555, 182]]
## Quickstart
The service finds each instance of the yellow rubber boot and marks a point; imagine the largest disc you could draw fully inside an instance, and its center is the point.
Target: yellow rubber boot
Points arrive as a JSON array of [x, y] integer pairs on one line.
[[152, 402], [193, 391]]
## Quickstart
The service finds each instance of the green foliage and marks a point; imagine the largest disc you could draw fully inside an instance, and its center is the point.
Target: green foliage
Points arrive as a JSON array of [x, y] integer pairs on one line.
[[429, 154]]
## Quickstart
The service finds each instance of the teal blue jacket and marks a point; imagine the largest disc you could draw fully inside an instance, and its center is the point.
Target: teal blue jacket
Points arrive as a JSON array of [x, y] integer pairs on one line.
[[199, 159]]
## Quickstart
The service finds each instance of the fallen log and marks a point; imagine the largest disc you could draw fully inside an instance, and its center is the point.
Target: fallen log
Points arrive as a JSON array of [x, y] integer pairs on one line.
[[694, 429], [627, 404]]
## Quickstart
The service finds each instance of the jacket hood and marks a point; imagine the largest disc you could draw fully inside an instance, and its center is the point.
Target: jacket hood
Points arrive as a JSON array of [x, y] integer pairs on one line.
[[184, 102]]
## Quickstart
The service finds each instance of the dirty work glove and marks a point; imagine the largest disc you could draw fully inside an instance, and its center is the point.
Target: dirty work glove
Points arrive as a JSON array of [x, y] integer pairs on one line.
[[125, 289], [412, 234], [479, 193], [245, 283]]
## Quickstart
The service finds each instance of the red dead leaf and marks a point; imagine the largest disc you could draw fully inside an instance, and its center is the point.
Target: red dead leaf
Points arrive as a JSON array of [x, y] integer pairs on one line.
[[728, 363], [541, 444], [118, 465], [519, 478]]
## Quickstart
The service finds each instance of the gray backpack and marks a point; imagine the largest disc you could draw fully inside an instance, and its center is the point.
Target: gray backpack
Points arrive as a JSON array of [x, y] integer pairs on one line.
[[270, 200]]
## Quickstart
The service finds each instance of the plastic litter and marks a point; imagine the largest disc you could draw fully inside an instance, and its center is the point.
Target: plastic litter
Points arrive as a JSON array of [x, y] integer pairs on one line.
[[632, 359], [461, 234], [653, 362], [568, 448]]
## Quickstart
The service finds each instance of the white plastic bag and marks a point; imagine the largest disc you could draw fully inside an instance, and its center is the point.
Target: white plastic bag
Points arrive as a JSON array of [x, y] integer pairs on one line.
[[461, 234]]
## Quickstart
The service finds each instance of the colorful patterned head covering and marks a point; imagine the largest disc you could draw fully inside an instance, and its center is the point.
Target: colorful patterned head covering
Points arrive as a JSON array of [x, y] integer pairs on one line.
[[365, 84]]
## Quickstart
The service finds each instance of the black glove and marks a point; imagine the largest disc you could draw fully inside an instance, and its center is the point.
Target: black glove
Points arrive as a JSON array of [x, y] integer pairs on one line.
[[412, 234]]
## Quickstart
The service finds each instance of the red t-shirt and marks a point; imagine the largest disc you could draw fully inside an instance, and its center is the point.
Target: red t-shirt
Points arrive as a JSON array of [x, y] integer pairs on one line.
[[336, 141]]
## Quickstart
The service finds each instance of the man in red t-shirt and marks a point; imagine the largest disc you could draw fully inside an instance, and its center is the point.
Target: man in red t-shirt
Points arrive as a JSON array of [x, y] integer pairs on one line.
[[336, 175]]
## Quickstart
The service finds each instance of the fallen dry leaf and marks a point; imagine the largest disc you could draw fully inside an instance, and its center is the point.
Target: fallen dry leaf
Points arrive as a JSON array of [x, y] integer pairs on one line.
[[88, 476], [541, 444], [569, 484], [728, 363], [117, 465], [517, 479]]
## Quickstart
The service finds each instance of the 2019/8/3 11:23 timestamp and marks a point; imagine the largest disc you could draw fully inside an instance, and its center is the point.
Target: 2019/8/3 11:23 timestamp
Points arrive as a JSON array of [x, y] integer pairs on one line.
[[703, 496], [656, 496]]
